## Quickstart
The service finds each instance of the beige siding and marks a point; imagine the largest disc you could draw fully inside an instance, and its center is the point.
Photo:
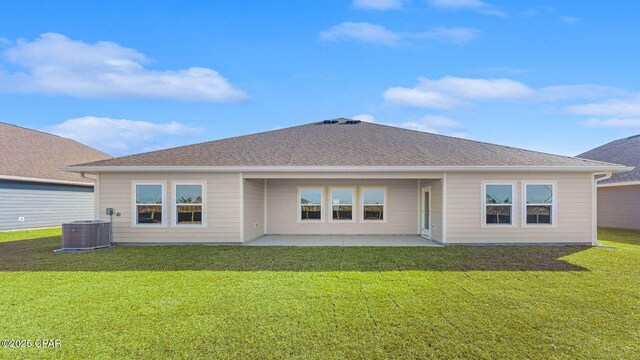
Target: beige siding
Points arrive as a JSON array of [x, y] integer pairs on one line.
[[436, 207], [253, 209], [401, 212], [223, 208], [574, 202], [619, 207]]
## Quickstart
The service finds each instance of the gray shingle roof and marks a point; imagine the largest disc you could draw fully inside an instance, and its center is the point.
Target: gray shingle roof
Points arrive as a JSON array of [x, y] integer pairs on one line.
[[622, 151], [344, 143], [34, 154]]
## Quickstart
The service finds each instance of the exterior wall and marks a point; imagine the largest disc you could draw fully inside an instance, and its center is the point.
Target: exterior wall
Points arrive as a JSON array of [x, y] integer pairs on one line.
[[436, 207], [43, 205], [401, 208], [253, 209], [619, 207], [464, 204], [223, 208]]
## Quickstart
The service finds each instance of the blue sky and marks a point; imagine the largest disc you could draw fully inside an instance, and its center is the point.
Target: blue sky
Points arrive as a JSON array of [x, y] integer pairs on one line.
[[126, 77]]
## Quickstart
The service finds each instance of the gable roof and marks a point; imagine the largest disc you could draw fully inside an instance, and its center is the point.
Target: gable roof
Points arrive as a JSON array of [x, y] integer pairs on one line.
[[622, 151], [26, 153], [340, 143]]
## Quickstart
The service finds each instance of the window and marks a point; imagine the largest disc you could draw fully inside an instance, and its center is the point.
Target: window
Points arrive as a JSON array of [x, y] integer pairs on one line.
[[498, 204], [310, 204], [373, 204], [188, 204], [149, 204], [540, 203], [342, 205]]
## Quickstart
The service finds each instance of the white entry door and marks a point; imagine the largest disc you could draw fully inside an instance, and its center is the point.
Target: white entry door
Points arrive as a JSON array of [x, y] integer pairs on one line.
[[425, 217]]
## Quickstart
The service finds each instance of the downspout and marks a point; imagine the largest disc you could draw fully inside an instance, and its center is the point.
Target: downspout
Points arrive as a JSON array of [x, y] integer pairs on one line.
[[595, 205]]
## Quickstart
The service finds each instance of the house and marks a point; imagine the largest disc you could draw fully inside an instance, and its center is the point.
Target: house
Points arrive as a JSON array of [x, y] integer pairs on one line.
[[34, 192], [619, 196], [352, 178]]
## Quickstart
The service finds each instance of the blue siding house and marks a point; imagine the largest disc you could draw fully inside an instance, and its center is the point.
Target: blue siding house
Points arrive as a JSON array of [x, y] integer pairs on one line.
[[34, 192]]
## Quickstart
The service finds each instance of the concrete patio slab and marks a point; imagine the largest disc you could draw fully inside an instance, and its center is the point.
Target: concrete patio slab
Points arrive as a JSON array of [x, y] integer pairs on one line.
[[341, 240]]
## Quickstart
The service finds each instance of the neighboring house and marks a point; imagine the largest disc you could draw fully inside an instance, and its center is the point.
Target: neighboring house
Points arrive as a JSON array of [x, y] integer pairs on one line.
[[348, 177], [619, 196], [34, 192]]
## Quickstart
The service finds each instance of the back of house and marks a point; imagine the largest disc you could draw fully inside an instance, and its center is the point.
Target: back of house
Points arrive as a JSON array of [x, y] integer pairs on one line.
[[34, 191], [346, 177], [619, 196]]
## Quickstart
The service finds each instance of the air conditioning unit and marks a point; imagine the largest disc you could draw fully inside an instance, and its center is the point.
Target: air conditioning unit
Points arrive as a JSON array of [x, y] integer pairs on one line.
[[85, 235]]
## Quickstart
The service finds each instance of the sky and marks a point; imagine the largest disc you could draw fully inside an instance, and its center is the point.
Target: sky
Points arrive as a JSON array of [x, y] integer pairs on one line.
[[128, 77]]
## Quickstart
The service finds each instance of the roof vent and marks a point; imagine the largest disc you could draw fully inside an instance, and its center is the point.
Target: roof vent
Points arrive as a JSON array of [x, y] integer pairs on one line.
[[340, 121]]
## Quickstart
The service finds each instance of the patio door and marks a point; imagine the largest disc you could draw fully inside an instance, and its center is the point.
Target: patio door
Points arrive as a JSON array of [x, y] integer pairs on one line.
[[425, 217]]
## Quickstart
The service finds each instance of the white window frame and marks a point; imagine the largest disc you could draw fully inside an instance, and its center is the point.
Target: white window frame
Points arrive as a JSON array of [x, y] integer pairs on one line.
[[134, 205], [554, 204], [322, 207], [385, 206], [353, 204], [483, 204], [174, 205]]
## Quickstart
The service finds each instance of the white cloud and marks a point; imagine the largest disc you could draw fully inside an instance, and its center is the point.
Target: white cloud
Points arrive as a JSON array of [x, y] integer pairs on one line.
[[419, 98], [369, 33], [428, 123], [56, 64], [121, 136], [613, 123], [378, 4], [433, 124], [476, 5], [614, 107], [573, 92], [364, 117], [450, 35], [449, 91], [377, 34], [571, 20]]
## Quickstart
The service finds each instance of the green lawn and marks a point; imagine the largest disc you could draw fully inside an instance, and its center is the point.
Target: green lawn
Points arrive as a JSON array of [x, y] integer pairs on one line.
[[232, 302]]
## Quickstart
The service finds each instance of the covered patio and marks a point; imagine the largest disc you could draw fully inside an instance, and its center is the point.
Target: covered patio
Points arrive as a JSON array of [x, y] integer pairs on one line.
[[342, 240]]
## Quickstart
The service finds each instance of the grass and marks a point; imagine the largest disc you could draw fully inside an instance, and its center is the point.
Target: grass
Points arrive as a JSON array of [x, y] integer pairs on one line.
[[232, 302]]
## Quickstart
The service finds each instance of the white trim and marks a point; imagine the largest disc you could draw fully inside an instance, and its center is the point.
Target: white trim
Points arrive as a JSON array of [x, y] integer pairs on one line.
[[48, 181], [353, 204], [594, 206], [96, 198], [628, 183], [322, 207], [483, 204], [265, 207], [418, 191], [444, 209], [554, 204], [241, 205], [174, 204], [134, 205], [349, 169], [425, 189], [385, 206]]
